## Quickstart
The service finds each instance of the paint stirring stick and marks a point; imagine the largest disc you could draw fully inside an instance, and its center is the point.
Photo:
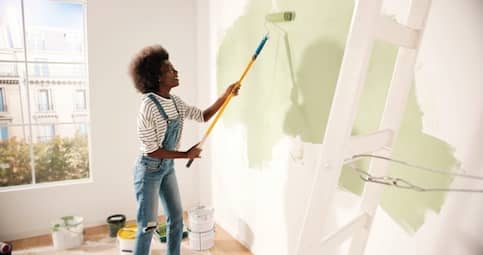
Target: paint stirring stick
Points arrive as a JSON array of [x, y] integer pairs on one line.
[[232, 92]]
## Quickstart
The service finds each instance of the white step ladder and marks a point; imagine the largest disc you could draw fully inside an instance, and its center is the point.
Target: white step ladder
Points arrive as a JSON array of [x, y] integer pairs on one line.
[[367, 26]]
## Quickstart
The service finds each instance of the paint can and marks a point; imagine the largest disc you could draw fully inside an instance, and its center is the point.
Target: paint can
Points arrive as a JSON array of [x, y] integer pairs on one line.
[[201, 231], [126, 237], [200, 241], [115, 222], [67, 232], [201, 218]]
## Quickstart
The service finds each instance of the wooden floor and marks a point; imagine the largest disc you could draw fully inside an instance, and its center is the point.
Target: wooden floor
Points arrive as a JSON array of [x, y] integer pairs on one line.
[[225, 244]]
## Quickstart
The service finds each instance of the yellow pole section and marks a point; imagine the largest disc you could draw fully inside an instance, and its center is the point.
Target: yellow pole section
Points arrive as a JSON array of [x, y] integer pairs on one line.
[[227, 100]]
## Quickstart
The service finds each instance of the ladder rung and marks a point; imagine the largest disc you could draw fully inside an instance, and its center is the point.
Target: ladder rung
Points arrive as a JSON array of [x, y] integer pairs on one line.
[[391, 31], [342, 234], [366, 144]]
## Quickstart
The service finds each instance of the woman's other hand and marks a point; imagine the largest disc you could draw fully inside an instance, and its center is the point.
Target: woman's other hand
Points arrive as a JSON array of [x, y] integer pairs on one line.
[[194, 152]]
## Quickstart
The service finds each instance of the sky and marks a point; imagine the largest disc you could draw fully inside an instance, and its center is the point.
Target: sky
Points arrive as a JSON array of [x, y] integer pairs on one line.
[[45, 13]]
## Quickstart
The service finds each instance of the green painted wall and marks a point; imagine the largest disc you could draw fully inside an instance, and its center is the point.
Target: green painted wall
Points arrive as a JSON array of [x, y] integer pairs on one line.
[[272, 104]]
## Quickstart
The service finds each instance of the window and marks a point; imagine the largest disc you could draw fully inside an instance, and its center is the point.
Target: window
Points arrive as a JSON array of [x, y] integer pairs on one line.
[[80, 100], [83, 129], [3, 105], [3, 133], [43, 63], [44, 100]]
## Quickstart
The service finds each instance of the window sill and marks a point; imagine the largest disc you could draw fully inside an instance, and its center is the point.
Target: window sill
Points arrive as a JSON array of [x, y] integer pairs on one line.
[[45, 185]]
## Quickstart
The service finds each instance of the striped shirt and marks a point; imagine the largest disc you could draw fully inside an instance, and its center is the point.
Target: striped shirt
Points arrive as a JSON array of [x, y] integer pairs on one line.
[[151, 125]]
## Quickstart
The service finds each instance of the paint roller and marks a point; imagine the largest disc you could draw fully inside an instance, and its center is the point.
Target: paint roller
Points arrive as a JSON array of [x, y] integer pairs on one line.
[[273, 18], [280, 17]]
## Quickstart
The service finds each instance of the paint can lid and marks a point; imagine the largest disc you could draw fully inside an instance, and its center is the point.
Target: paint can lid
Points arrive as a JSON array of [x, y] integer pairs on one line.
[[200, 211], [127, 233]]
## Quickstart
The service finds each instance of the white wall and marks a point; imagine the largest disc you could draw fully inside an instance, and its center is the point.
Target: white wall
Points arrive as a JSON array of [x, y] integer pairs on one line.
[[205, 78], [263, 207], [116, 31]]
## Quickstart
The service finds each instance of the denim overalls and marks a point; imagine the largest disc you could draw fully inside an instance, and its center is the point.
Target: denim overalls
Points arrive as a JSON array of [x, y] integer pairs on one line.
[[153, 176]]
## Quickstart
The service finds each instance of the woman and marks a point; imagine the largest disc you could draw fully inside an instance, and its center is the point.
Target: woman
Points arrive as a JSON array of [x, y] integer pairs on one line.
[[159, 127]]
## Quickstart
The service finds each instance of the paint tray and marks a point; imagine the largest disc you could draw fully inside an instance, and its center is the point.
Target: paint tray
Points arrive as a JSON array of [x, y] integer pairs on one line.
[[160, 232]]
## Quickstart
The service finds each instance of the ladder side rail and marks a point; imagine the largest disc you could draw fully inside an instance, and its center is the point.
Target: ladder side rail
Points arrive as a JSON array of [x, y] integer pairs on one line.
[[396, 100], [341, 118]]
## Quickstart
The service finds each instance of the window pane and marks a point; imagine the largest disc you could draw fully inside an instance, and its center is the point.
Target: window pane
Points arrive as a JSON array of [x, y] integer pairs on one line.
[[55, 30], [61, 157], [11, 37], [15, 168], [11, 78]]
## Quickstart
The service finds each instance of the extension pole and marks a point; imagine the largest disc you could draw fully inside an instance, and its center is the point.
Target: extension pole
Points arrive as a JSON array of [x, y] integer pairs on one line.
[[232, 92]]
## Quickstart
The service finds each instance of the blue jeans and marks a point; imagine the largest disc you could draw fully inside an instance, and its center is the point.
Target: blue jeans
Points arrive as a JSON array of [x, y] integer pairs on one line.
[[153, 177]]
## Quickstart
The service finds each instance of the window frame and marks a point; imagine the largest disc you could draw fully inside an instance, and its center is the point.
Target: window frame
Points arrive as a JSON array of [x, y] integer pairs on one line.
[[28, 123]]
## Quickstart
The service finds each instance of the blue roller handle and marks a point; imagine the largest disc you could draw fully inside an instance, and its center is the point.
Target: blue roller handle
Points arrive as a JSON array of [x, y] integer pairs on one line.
[[260, 46]]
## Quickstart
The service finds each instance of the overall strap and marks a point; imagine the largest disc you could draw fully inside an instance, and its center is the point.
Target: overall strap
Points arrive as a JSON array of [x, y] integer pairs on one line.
[[175, 105], [160, 108]]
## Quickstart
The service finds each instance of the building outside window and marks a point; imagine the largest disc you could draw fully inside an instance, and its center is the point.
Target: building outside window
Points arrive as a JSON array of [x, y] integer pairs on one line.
[[45, 133], [42, 64]]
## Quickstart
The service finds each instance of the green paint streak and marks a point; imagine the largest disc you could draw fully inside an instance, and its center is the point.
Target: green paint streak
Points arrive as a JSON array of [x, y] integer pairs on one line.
[[272, 104], [408, 208]]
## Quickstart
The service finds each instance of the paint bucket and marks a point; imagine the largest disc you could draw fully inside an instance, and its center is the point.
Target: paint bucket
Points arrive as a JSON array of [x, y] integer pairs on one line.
[[201, 231], [201, 218], [126, 237], [115, 222], [67, 232], [200, 241]]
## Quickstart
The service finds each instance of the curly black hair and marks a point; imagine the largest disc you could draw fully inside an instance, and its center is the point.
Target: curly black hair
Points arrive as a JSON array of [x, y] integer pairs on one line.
[[145, 68]]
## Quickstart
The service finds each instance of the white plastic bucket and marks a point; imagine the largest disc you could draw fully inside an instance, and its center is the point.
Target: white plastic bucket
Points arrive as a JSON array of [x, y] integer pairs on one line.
[[126, 237], [201, 241], [67, 232], [201, 231], [201, 219]]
